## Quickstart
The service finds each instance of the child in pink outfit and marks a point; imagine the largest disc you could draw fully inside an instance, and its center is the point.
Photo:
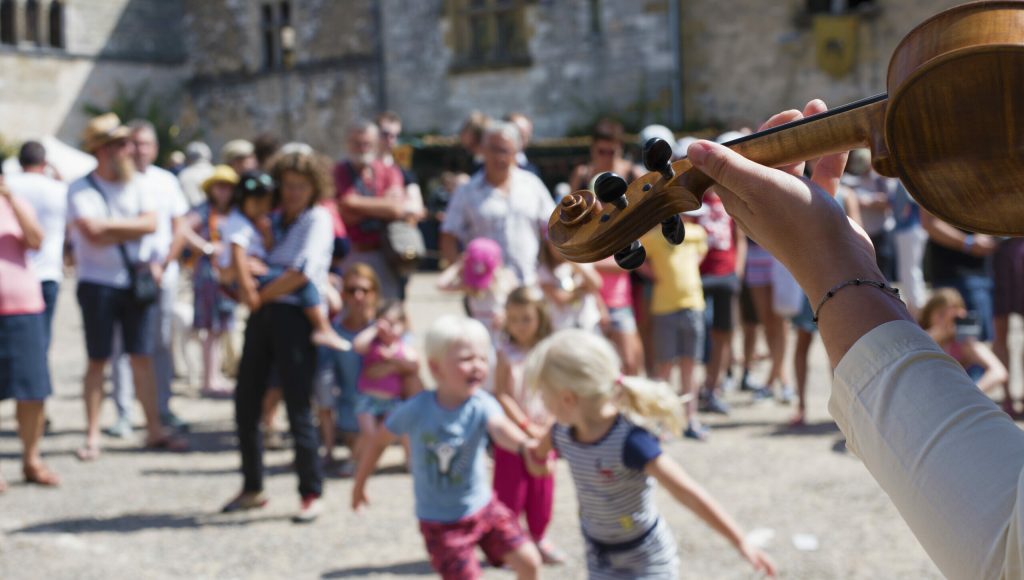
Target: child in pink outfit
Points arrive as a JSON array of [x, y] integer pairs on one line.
[[526, 323], [485, 281]]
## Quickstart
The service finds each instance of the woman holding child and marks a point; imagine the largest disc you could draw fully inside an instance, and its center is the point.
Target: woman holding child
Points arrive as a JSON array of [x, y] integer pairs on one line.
[[278, 333]]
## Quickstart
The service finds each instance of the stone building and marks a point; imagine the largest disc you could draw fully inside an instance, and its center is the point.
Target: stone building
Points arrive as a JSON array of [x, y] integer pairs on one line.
[[56, 56], [303, 69]]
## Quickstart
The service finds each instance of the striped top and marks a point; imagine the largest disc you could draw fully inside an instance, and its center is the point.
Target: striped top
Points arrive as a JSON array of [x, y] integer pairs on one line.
[[616, 497], [305, 245]]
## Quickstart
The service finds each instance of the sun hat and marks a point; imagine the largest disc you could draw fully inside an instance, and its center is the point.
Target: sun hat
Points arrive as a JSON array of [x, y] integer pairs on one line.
[[221, 174], [103, 129], [236, 149], [482, 260]]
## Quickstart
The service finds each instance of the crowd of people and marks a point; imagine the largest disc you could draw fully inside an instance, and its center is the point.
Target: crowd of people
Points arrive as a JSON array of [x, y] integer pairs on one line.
[[587, 362]]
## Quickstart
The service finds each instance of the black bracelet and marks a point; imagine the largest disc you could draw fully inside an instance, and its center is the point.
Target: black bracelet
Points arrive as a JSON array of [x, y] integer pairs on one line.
[[894, 292]]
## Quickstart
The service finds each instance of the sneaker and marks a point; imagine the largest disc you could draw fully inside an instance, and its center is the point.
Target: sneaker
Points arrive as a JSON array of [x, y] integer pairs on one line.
[[762, 394], [172, 421], [310, 509], [247, 500], [788, 395], [713, 404], [122, 429], [696, 432], [748, 385]]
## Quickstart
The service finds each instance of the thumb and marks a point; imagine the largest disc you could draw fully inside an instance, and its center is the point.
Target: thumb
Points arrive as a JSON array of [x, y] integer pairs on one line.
[[730, 169]]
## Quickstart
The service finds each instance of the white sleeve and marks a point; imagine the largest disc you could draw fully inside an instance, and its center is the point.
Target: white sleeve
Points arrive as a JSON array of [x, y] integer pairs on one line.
[[454, 221], [948, 457], [79, 205]]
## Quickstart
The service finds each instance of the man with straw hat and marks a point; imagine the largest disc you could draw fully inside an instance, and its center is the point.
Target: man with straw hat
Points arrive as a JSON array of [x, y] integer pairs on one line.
[[108, 215]]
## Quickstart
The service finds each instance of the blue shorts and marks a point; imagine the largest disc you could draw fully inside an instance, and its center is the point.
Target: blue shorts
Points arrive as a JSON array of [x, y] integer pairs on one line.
[[306, 294], [106, 307], [24, 375], [622, 319], [375, 406]]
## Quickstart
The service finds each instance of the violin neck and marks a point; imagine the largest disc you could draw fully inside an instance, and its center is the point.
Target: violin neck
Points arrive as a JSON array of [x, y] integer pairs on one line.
[[858, 124]]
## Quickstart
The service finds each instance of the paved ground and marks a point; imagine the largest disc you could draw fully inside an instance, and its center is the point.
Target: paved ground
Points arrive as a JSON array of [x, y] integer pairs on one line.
[[146, 515]]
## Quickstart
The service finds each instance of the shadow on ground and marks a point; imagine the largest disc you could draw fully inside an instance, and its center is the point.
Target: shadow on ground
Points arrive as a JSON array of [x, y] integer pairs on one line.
[[131, 523], [807, 429], [421, 568]]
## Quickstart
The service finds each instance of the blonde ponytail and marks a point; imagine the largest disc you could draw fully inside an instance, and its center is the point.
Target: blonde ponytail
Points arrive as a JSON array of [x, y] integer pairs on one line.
[[587, 365]]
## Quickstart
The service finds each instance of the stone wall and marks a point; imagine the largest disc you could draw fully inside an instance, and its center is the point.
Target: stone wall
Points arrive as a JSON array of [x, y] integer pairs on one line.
[[334, 79], [575, 75], [109, 44], [746, 59]]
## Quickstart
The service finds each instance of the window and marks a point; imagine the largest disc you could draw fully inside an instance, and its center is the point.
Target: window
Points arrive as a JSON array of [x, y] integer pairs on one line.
[[32, 21], [596, 27], [8, 29], [489, 33], [56, 24], [838, 6], [276, 21]]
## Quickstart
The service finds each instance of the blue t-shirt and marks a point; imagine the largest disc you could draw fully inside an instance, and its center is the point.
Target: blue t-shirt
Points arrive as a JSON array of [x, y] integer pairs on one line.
[[449, 461]]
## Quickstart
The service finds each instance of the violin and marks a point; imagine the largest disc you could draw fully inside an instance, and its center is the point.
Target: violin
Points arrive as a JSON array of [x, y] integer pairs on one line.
[[950, 127]]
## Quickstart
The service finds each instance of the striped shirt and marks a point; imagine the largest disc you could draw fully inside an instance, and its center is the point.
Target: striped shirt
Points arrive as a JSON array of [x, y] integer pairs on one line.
[[305, 245], [616, 497]]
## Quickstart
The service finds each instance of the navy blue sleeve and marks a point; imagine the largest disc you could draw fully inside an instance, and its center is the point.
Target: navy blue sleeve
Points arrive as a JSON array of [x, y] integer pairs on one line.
[[640, 449]]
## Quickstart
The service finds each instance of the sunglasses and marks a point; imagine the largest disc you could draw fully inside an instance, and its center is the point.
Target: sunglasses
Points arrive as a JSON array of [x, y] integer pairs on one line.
[[353, 290], [262, 181]]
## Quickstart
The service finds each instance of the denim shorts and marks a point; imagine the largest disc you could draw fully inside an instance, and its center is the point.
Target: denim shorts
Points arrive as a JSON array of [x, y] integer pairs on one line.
[[622, 319], [678, 334], [24, 375], [106, 307], [375, 406]]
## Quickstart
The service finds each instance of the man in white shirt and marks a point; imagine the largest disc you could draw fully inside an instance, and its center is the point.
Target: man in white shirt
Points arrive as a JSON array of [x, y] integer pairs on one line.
[[198, 167], [504, 203], [163, 189], [108, 216], [49, 198]]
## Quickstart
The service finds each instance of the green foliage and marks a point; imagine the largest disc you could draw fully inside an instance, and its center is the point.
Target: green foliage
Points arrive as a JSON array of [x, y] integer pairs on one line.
[[7, 148], [136, 102]]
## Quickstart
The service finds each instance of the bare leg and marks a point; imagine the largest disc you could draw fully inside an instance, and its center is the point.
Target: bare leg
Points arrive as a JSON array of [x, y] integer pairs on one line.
[[323, 334], [776, 330], [721, 350], [271, 401], [30, 430], [326, 416], [92, 387], [524, 561], [688, 387], [367, 431], [145, 391], [213, 379], [1001, 347], [800, 359], [630, 350]]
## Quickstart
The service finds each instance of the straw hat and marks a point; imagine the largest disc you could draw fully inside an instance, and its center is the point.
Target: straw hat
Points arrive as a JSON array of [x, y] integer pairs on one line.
[[236, 149], [221, 174], [102, 130]]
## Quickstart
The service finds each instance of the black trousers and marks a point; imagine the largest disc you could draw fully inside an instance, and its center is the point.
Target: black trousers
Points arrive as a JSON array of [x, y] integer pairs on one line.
[[277, 337]]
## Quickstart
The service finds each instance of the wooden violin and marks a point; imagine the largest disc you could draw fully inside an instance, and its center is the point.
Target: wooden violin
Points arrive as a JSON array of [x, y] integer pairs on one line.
[[951, 128]]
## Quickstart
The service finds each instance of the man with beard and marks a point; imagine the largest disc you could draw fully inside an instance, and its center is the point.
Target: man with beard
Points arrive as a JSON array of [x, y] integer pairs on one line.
[[108, 214], [370, 194], [161, 249]]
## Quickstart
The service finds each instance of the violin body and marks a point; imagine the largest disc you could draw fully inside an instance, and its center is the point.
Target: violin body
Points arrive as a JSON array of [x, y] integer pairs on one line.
[[951, 129]]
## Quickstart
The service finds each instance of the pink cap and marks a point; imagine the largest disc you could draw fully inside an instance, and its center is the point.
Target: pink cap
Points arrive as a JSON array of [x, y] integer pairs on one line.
[[482, 259]]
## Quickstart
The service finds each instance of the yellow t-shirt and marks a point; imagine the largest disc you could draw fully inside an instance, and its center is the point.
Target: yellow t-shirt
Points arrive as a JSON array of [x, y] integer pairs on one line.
[[676, 269]]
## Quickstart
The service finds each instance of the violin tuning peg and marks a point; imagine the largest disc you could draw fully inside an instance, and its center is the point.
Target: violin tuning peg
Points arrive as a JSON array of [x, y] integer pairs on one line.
[[657, 156], [610, 188], [632, 257], [673, 230]]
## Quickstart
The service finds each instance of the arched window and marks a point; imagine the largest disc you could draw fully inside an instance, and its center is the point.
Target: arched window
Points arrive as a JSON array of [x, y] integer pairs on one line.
[[8, 28], [32, 21], [57, 24]]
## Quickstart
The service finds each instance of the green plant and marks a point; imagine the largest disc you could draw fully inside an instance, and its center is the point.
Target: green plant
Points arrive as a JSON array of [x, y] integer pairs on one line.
[[131, 103]]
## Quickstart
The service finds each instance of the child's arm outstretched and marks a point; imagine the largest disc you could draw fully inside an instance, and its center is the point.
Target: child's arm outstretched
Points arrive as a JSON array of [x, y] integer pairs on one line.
[[362, 341], [367, 463], [505, 434], [689, 493]]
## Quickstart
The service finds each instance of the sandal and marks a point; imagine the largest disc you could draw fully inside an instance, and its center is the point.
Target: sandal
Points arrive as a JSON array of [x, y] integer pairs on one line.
[[90, 452], [41, 475], [549, 554], [167, 443]]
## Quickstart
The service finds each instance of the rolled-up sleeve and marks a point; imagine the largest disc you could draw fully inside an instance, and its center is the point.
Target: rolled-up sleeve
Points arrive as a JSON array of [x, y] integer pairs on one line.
[[946, 455]]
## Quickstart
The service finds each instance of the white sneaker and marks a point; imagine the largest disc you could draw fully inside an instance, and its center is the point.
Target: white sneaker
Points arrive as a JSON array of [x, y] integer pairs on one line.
[[310, 509]]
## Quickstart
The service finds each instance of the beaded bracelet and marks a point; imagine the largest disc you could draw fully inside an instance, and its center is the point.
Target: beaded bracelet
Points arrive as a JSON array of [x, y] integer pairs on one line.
[[894, 292]]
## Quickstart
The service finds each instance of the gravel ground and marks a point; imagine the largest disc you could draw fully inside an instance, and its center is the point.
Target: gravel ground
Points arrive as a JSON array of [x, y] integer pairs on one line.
[[134, 514]]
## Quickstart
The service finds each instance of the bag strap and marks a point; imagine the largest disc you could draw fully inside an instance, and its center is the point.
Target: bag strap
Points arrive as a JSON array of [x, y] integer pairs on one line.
[[121, 248]]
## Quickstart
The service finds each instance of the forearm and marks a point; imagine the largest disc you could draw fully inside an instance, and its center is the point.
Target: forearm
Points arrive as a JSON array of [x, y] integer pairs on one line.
[[372, 207], [127, 229], [942, 233], [179, 241], [449, 248], [506, 435], [944, 453], [286, 283], [31, 230], [689, 493]]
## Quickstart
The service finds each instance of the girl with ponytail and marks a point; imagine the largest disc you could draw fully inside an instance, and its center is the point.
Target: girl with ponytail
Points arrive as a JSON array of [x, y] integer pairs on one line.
[[603, 429]]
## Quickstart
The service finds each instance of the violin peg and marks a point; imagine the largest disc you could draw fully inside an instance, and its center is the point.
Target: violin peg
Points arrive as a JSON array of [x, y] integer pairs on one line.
[[632, 257], [610, 188], [673, 230], [657, 156]]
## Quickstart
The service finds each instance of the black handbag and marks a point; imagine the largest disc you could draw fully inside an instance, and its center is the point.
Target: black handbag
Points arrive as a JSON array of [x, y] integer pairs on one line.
[[143, 285], [404, 246]]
